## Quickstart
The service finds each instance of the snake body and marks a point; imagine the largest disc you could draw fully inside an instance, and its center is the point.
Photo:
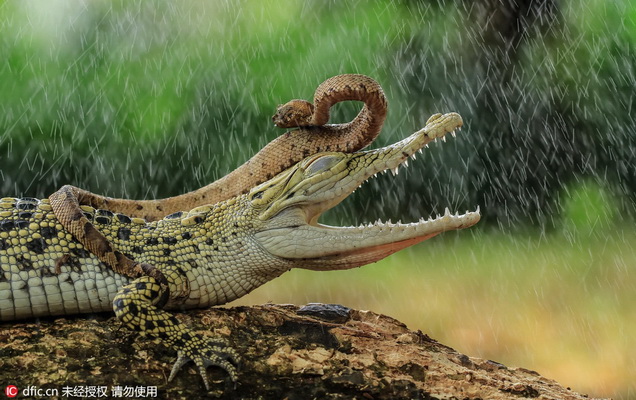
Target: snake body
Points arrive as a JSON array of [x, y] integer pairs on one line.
[[312, 135]]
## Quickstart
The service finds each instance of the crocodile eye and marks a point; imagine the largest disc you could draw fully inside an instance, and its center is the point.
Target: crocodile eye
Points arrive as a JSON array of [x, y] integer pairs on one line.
[[322, 164], [257, 195]]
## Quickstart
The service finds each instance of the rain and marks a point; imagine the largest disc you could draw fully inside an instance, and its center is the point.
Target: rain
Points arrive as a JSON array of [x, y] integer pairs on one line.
[[148, 100]]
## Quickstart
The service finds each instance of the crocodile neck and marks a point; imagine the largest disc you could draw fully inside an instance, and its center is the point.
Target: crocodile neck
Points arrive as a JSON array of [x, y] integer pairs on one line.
[[212, 245]]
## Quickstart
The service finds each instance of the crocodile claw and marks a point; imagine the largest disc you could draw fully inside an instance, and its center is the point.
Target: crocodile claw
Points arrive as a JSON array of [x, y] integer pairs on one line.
[[216, 354]]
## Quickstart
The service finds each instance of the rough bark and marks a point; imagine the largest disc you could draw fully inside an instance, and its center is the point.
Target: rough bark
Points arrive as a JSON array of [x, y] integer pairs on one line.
[[325, 352]]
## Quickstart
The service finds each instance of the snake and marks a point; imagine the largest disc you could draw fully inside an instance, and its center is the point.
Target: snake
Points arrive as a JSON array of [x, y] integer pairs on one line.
[[311, 134]]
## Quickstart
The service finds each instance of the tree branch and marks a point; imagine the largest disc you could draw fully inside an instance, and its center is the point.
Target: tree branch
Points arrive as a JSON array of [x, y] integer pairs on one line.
[[319, 351]]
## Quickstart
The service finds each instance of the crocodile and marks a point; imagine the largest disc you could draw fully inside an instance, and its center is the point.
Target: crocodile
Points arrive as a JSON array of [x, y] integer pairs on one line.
[[211, 254]]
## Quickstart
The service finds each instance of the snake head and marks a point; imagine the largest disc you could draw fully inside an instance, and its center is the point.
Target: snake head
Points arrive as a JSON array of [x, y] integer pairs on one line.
[[294, 113]]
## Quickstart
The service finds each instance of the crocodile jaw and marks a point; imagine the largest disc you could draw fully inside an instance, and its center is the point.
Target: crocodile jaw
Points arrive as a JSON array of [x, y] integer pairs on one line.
[[291, 230], [326, 247]]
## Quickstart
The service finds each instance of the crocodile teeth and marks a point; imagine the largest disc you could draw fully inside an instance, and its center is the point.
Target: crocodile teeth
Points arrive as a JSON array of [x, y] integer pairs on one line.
[[395, 170], [400, 225], [422, 220]]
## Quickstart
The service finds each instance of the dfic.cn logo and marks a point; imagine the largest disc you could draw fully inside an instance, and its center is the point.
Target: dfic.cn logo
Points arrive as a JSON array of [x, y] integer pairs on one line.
[[11, 391]]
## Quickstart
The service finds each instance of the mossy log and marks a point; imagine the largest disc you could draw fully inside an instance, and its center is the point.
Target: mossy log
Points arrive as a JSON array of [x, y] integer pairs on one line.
[[315, 352]]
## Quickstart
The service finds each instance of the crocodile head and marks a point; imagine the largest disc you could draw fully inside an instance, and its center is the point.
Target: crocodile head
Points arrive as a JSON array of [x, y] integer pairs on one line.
[[288, 206]]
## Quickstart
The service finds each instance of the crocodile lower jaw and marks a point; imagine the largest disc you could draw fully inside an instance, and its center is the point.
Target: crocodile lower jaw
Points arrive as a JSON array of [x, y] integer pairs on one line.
[[348, 247]]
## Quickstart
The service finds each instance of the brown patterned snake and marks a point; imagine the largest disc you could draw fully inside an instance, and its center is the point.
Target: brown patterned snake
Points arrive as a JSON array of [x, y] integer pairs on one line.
[[312, 135]]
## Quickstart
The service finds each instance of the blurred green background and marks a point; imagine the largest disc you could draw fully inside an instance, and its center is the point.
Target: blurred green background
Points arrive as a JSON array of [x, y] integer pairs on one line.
[[151, 99]]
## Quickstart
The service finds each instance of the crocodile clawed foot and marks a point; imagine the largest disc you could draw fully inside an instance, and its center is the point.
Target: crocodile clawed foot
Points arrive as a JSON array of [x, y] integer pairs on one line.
[[215, 354]]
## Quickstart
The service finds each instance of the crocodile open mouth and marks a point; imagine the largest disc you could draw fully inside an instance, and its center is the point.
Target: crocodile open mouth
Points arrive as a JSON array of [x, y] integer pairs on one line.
[[328, 179]]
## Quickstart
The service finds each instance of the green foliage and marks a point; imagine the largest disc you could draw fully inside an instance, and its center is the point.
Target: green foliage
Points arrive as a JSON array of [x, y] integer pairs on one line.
[[588, 208]]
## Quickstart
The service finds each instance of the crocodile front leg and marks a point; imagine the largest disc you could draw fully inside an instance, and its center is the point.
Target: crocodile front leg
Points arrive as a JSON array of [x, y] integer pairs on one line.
[[138, 304]]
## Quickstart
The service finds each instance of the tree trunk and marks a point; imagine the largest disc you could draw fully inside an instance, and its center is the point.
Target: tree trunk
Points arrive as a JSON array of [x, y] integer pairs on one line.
[[318, 351]]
